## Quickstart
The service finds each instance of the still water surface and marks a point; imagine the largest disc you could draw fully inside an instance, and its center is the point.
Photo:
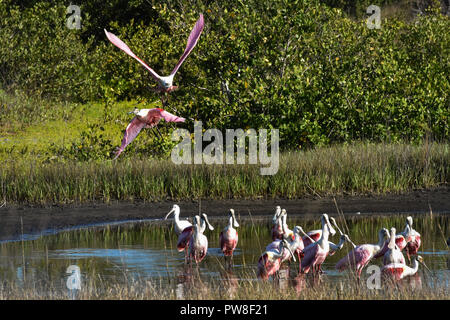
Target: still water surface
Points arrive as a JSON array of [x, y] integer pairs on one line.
[[146, 251]]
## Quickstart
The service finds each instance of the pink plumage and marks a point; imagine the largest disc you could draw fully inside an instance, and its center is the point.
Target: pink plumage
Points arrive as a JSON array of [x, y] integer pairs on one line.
[[315, 235], [184, 238], [356, 259], [165, 83], [268, 267], [412, 247], [314, 256], [228, 242], [192, 41], [145, 118], [122, 46]]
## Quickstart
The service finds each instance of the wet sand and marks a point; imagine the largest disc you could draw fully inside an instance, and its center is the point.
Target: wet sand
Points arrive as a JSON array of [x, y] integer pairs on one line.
[[18, 220]]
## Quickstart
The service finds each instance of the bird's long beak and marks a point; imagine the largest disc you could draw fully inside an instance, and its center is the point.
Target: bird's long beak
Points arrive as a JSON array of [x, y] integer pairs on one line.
[[285, 245], [335, 224], [423, 263], [210, 227], [167, 215], [306, 235], [235, 224], [341, 233], [332, 231]]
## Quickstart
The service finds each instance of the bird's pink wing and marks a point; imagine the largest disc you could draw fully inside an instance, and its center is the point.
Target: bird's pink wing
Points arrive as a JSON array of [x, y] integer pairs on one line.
[[184, 238], [131, 132], [382, 251], [192, 41], [310, 255], [122, 46], [171, 117]]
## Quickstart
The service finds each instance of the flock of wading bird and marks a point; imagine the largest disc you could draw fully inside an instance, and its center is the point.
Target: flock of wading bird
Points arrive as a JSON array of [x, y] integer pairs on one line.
[[311, 248]]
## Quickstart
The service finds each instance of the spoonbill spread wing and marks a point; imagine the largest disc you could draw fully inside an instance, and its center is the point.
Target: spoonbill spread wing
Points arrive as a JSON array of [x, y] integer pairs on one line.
[[122, 46], [171, 117], [192, 41], [131, 132]]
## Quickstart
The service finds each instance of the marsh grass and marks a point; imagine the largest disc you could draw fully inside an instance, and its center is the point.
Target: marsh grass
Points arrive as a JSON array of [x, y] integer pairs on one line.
[[196, 288], [359, 168]]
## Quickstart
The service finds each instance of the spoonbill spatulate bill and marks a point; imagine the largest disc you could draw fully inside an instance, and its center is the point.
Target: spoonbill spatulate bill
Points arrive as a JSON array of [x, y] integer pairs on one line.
[[165, 83]]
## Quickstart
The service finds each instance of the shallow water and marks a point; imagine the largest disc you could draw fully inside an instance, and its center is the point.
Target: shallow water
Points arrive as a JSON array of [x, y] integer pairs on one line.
[[146, 251]]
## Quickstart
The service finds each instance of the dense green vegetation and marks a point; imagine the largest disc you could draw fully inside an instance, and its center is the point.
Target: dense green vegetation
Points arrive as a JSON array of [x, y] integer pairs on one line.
[[310, 68]]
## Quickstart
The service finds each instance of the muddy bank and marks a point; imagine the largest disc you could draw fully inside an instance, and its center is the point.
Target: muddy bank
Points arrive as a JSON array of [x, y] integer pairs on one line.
[[28, 220]]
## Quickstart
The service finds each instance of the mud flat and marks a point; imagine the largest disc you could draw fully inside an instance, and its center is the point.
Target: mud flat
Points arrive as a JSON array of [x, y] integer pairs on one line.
[[18, 220]]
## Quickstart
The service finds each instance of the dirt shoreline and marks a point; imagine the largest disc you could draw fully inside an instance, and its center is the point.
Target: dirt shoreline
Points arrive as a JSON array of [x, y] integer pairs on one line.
[[18, 220]]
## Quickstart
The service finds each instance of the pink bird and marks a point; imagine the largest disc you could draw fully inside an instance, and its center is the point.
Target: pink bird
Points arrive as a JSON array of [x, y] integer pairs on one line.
[[398, 271], [277, 227], [316, 253], [393, 253], [412, 237], [360, 256], [145, 118], [184, 237], [165, 83], [408, 238], [294, 241], [270, 261], [198, 243], [228, 238], [312, 236]]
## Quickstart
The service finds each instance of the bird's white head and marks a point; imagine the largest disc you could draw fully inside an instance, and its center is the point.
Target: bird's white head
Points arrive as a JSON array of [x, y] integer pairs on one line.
[[285, 244], [205, 218], [235, 224], [175, 210], [409, 221], [135, 111], [326, 222]]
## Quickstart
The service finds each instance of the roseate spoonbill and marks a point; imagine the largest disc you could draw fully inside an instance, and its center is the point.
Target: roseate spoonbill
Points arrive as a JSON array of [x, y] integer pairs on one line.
[[165, 84], [316, 253], [344, 238], [400, 242], [228, 238], [314, 235], [399, 271], [393, 253], [412, 238], [198, 244], [360, 256], [277, 228], [179, 225], [145, 118], [336, 247], [276, 215], [270, 261], [185, 236], [294, 241]]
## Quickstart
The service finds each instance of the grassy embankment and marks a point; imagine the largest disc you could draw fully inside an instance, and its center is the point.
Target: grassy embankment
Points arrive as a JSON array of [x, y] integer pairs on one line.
[[40, 153]]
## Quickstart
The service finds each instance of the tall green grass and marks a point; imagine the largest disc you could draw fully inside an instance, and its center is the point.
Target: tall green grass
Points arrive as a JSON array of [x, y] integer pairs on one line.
[[350, 169]]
